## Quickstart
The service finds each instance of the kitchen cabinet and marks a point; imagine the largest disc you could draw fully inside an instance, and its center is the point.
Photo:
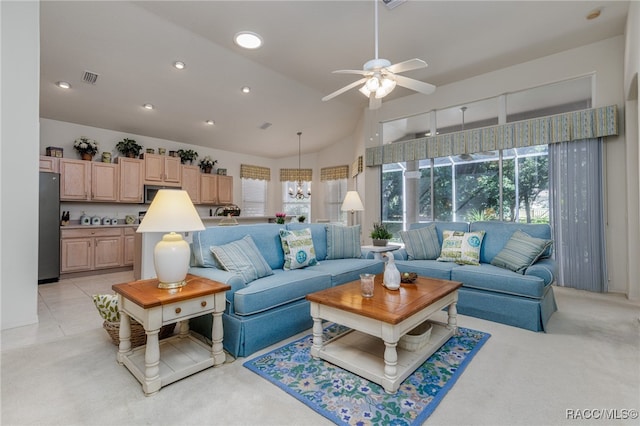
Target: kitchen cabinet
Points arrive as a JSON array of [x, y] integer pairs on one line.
[[131, 180], [225, 189], [129, 246], [49, 164], [104, 181], [191, 182], [92, 248], [75, 180], [216, 189], [162, 170]]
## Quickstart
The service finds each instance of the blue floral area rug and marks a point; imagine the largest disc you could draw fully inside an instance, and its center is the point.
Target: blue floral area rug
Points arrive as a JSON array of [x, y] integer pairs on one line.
[[346, 398]]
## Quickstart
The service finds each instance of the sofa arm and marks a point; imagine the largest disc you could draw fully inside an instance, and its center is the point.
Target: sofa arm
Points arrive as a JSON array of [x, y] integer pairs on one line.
[[234, 280], [545, 269], [400, 254]]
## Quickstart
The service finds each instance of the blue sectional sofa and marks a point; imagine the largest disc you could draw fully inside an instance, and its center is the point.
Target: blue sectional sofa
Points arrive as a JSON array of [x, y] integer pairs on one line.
[[273, 307], [491, 292]]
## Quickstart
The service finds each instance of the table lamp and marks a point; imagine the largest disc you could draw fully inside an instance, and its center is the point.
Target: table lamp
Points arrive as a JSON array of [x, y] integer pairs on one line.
[[171, 211], [352, 203]]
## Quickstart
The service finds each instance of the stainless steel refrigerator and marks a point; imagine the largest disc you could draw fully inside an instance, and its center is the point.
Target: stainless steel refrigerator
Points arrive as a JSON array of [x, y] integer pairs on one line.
[[49, 229]]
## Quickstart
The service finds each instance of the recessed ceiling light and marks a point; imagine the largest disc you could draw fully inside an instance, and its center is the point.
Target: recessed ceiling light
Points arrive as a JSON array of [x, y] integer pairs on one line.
[[63, 85], [594, 14], [179, 65], [248, 40], [246, 89], [148, 106], [210, 122]]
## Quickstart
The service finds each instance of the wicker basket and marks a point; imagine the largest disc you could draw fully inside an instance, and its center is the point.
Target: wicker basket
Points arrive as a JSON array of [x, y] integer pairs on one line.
[[138, 336]]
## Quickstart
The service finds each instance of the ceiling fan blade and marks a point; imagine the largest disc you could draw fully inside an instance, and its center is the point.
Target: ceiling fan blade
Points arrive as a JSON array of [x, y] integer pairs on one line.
[[344, 89], [361, 72], [374, 103], [411, 64], [417, 85]]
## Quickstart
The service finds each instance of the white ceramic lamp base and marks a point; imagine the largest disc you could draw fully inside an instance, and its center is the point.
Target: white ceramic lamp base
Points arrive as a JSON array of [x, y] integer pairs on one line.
[[171, 261]]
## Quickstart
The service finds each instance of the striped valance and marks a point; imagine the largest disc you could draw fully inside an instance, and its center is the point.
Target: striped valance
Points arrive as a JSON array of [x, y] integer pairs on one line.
[[570, 126], [255, 172], [334, 173], [294, 175]]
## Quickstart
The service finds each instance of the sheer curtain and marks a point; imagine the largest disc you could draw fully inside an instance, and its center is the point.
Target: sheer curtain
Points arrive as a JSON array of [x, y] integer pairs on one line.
[[577, 213]]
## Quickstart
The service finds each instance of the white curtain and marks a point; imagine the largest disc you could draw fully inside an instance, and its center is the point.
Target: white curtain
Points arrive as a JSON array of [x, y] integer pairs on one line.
[[577, 213]]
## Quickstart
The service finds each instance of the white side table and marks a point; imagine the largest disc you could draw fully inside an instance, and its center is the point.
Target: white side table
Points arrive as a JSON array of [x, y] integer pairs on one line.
[[378, 250], [157, 364]]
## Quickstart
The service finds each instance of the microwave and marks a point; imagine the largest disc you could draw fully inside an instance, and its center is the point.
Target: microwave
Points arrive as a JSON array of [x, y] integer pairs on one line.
[[150, 192]]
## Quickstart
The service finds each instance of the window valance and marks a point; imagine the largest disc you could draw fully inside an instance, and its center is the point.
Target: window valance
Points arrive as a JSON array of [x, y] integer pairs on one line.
[[292, 175], [334, 173], [255, 172], [565, 127]]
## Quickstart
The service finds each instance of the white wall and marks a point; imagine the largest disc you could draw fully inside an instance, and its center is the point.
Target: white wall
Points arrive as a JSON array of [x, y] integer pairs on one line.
[[605, 59], [19, 162]]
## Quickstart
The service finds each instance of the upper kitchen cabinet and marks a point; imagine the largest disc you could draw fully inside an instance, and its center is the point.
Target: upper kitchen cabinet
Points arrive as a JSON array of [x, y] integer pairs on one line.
[[191, 182], [131, 179], [75, 180], [104, 181], [161, 169], [225, 189], [49, 164]]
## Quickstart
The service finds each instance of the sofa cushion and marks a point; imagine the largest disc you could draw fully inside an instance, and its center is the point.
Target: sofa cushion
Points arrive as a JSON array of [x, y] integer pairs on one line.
[[427, 268], [461, 247], [318, 234], [343, 242], [243, 258], [346, 270], [498, 233], [421, 243], [265, 236], [298, 248], [279, 289], [520, 252], [493, 278]]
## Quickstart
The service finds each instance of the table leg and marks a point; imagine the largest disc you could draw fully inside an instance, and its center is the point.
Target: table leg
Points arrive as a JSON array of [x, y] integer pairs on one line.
[[183, 328], [317, 337], [390, 362], [152, 382], [217, 333], [125, 337], [453, 317]]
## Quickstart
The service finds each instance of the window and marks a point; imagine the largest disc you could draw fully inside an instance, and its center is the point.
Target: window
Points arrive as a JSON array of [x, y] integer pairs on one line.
[[254, 197], [334, 193], [294, 206]]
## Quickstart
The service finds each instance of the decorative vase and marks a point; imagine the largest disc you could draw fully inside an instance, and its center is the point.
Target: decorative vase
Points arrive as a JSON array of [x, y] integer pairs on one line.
[[131, 154], [379, 243], [391, 274], [86, 156]]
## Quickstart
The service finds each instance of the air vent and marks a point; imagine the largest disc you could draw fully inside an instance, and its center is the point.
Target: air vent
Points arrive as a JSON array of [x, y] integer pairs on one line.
[[265, 125], [391, 4], [90, 77]]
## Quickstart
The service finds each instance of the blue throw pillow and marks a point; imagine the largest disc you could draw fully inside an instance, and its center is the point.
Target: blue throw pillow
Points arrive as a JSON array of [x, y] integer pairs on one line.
[[421, 243], [244, 258], [521, 251], [297, 246], [343, 242]]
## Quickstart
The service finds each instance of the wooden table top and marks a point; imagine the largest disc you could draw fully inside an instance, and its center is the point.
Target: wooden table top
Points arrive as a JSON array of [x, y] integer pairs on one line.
[[390, 306], [146, 293]]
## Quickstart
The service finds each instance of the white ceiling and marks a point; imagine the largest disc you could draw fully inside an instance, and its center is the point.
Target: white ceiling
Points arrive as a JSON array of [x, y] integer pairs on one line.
[[132, 46]]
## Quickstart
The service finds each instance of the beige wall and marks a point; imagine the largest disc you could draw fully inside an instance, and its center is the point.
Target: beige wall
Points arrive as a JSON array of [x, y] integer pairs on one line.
[[605, 60]]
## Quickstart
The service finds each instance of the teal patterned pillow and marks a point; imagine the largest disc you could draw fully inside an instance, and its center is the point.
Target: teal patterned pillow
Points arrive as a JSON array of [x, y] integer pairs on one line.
[[461, 247], [521, 251], [421, 243], [244, 258], [107, 305], [298, 248], [343, 242]]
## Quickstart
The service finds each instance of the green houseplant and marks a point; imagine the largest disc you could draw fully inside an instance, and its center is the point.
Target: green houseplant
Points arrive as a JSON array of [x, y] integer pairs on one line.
[[207, 163], [129, 148], [187, 155], [380, 235]]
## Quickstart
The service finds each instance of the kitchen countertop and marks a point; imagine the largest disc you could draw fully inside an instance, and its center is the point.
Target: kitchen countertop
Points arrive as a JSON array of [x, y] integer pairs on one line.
[[78, 226]]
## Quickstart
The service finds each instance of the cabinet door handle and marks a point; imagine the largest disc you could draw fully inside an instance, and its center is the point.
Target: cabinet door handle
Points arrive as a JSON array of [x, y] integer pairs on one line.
[[203, 303], [178, 310]]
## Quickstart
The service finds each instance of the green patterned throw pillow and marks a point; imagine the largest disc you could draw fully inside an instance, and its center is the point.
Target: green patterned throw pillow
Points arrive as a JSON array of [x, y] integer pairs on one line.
[[461, 247], [107, 305], [297, 246], [521, 251]]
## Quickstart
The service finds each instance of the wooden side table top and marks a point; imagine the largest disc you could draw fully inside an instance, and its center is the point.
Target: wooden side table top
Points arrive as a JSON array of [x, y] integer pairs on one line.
[[146, 293], [390, 306]]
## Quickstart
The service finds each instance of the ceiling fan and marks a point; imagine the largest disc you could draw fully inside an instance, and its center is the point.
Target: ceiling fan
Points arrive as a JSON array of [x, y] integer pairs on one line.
[[381, 77]]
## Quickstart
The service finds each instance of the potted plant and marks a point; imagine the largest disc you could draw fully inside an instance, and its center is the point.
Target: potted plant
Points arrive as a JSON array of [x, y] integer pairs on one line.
[[380, 235], [302, 218], [280, 217], [207, 163], [129, 148], [86, 147], [187, 155]]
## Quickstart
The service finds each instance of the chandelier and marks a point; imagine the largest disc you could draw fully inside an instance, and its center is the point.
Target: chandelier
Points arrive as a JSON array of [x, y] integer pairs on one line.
[[299, 193]]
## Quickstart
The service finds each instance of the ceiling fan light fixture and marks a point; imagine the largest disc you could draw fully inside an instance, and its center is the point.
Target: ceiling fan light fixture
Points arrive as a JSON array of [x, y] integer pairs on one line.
[[373, 84], [365, 91]]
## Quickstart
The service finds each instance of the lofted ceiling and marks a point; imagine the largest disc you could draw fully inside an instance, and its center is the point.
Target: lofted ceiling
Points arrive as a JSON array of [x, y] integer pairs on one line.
[[132, 46]]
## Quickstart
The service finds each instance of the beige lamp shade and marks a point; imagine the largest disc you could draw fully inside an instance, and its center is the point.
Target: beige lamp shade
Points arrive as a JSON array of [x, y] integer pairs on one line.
[[352, 202], [171, 211]]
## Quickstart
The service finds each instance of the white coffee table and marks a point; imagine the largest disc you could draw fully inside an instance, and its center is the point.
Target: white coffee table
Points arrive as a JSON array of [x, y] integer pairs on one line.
[[370, 348]]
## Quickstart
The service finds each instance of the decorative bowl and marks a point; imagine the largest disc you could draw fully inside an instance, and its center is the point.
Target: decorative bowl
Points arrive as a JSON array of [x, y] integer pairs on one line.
[[408, 277]]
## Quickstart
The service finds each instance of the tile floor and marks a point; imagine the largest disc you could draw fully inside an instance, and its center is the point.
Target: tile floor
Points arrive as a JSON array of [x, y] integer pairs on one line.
[[65, 308]]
